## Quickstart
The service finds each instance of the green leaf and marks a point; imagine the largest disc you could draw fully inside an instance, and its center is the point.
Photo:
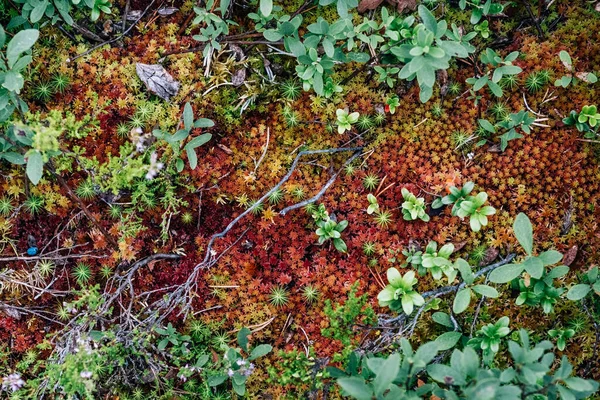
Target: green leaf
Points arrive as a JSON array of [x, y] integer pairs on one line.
[[216, 380], [340, 245], [486, 291], [447, 340], [2, 37], [239, 389], [13, 158], [550, 257], [259, 351], [580, 385], [442, 318], [192, 157], [35, 166], [203, 123], [428, 19], [534, 267], [578, 292], [272, 35], [356, 387], [506, 273], [38, 12], [461, 301], [188, 116], [524, 232], [487, 125], [266, 7], [96, 335], [242, 338], [495, 88], [179, 165], [387, 373], [565, 57], [199, 140], [20, 43]]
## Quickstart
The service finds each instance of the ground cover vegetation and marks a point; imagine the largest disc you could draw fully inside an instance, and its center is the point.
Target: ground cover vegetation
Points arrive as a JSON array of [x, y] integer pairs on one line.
[[321, 199]]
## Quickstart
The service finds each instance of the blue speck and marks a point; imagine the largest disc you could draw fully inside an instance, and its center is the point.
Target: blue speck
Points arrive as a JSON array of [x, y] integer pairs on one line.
[[32, 251]]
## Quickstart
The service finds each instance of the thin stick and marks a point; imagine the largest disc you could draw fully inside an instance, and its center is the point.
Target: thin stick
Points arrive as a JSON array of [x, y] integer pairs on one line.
[[69, 60], [205, 261]]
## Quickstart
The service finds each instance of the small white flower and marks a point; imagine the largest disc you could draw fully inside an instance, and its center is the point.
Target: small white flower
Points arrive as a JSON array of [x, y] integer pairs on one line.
[[85, 374], [154, 167], [13, 381]]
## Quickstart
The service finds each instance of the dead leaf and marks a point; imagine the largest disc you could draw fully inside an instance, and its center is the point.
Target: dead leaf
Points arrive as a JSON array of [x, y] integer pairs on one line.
[[239, 77], [225, 148], [401, 5], [583, 76], [442, 79], [490, 255], [526, 279], [157, 80], [134, 15], [570, 255], [167, 11], [237, 50], [12, 313], [495, 148], [459, 245], [366, 5]]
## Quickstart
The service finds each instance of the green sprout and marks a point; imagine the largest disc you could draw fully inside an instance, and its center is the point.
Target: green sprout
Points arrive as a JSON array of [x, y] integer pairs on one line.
[[365, 122], [6, 206], [437, 110], [373, 204], [106, 271], [45, 267], [330, 229], [86, 190], [383, 218], [379, 118], [136, 122], [473, 207], [345, 120], [509, 81], [499, 110], [187, 218], [256, 207], [298, 193], [370, 181], [291, 119], [43, 91], [437, 262], [123, 129], [413, 208], [590, 115], [399, 294], [392, 103], [279, 296], [454, 88], [115, 211], [82, 273], [350, 170], [535, 81], [310, 294], [145, 110], [368, 248], [276, 196], [489, 338], [60, 83], [34, 204], [291, 89]]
